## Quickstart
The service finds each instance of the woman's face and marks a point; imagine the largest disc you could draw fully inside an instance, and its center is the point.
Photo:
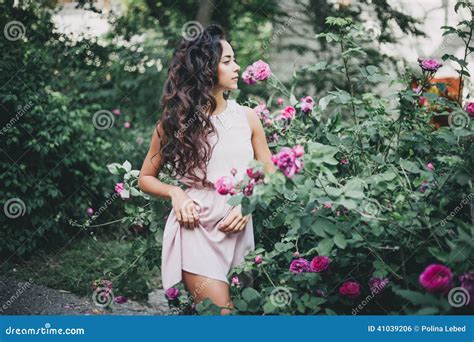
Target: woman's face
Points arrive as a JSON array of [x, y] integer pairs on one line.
[[228, 69]]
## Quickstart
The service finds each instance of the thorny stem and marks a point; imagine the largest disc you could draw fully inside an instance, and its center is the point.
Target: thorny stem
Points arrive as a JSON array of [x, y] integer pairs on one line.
[[466, 53], [268, 276], [345, 60]]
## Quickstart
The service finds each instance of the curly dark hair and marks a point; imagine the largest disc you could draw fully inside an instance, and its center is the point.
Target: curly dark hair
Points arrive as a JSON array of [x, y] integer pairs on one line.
[[186, 100]]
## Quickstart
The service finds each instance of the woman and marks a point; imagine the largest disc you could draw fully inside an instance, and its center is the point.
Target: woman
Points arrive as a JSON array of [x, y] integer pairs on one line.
[[201, 137]]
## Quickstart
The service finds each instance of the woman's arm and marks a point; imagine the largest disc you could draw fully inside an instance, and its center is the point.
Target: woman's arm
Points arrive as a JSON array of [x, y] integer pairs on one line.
[[186, 212], [147, 180], [259, 141]]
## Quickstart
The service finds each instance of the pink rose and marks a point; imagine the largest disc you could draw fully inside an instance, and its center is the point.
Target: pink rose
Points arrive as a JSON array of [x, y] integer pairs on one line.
[[120, 299], [376, 285], [344, 161], [350, 289], [299, 265], [254, 174], [268, 121], [116, 111], [470, 109], [261, 70], [258, 259], [119, 187], [248, 190], [172, 293], [319, 264], [90, 211], [287, 161], [421, 101], [307, 104], [436, 278], [262, 111], [430, 166], [280, 101], [248, 77], [299, 151], [327, 205], [224, 185], [288, 113], [429, 64], [127, 124], [235, 280]]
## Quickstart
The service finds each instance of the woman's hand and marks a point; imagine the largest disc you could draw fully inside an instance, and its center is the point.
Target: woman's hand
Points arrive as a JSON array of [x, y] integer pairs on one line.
[[187, 212], [234, 222]]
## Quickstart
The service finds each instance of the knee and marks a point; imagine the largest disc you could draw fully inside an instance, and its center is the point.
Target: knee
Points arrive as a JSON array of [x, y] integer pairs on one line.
[[225, 312], [227, 309]]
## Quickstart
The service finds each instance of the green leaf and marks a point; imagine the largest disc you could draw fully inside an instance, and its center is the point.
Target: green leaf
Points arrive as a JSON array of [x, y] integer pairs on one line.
[[427, 311], [409, 166], [417, 298], [371, 69], [316, 67], [325, 246], [332, 191], [114, 168], [354, 194], [127, 166], [249, 294], [293, 100], [235, 200], [240, 304], [315, 301], [348, 203], [135, 192], [340, 240], [268, 307], [325, 224], [325, 101]]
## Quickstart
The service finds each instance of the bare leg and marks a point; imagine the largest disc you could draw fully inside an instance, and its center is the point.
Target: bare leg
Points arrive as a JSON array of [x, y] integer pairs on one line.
[[201, 287]]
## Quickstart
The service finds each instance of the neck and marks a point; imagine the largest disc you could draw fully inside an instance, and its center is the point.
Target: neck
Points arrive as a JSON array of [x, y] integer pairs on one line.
[[220, 101], [219, 96]]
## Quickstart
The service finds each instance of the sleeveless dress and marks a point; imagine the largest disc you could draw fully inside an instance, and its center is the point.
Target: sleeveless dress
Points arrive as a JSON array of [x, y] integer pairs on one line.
[[205, 250]]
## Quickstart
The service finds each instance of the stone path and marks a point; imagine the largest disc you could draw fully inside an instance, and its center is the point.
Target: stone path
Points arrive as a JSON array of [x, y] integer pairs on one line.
[[24, 298]]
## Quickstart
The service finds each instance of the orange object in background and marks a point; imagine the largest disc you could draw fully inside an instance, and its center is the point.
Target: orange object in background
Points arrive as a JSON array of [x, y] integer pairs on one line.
[[452, 87], [451, 93]]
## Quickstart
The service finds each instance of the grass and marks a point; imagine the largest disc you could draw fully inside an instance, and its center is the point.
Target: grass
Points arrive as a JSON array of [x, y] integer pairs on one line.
[[75, 268]]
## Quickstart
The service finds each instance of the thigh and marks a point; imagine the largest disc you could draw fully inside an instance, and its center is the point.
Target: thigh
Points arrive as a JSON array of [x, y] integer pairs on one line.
[[201, 287]]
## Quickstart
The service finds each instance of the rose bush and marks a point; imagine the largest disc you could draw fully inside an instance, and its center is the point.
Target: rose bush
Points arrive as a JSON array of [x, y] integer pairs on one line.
[[369, 209], [375, 192]]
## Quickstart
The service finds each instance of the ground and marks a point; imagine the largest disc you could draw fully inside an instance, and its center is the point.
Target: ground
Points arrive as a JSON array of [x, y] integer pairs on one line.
[[21, 298]]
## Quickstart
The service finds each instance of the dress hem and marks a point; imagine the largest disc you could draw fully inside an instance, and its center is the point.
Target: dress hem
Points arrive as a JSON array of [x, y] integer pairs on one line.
[[205, 275]]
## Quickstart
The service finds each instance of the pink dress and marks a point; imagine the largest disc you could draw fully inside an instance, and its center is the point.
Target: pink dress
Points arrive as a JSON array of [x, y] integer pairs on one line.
[[205, 250]]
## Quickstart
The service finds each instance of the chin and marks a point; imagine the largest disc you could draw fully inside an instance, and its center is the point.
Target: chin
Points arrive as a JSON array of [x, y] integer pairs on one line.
[[233, 87]]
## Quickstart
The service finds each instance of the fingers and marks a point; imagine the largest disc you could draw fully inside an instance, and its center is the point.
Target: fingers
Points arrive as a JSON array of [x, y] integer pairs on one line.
[[238, 224], [241, 225], [195, 216], [193, 210], [229, 223], [188, 216]]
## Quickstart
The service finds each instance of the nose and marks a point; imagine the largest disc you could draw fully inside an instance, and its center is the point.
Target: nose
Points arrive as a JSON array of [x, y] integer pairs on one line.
[[237, 67]]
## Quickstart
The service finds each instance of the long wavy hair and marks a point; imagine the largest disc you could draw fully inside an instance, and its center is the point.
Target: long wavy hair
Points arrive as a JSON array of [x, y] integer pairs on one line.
[[187, 99]]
